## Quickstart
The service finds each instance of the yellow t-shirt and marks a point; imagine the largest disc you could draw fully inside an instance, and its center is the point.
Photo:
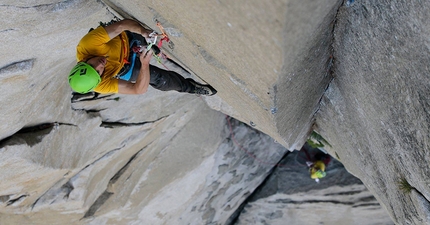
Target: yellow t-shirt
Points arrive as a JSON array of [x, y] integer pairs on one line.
[[318, 165], [98, 43]]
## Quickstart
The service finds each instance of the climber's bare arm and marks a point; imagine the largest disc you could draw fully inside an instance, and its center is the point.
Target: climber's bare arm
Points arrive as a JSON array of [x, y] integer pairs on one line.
[[115, 29]]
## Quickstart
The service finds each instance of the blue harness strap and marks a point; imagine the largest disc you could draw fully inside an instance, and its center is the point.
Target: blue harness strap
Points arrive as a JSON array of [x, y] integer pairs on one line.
[[127, 76], [129, 73]]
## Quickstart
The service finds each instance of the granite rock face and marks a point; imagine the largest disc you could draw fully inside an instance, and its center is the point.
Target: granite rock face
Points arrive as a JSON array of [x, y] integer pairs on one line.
[[336, 205], [287, 197], [376, 110], [354, 71]]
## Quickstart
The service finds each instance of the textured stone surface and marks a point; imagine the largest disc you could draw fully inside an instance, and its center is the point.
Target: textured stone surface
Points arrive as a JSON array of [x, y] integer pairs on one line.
[[376, 110], [270, 57], [336, 205], [290, 196], [355, 71]]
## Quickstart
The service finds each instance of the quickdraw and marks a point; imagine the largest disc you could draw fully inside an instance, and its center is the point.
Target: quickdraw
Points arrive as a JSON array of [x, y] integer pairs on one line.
[[156, 51], [157, 47], [152, 44]]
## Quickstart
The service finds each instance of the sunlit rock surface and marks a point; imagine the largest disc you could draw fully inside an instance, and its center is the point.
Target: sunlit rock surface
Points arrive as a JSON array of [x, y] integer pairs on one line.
[[355, 71]]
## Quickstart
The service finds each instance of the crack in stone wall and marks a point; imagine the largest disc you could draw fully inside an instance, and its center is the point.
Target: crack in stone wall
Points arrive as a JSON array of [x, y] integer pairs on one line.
[[15, 67], [51, 7], [109, 189], [31, 135], [120, 124]]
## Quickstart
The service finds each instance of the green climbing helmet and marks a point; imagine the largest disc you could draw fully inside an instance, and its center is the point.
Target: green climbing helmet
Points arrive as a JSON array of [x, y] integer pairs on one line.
[[320, 174], [83, 78]]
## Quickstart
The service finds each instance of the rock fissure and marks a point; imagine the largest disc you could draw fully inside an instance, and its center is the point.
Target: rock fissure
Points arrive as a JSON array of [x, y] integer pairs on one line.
[[289, 201], [15, 67], [330, 62], [15, 200], [421, 194], [44, 126], [92, 96], [32, 135], [6, 30], [344, 193], [50, 195], [95, 111], [120, 172], [321, 98], [67, 186], [97, 204], [366, 205], [53, 6], [110, 190], [252, 196], [106, 124]]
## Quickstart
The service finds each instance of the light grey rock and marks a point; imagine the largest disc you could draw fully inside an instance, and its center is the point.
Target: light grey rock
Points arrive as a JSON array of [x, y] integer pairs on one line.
[[290, 196], [376, 111], [336, 205], [355, 71], [263, 57], [240, 166]]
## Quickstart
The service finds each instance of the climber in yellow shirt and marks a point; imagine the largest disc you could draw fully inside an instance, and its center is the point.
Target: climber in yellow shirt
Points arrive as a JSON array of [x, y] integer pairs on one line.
[[105, 54], [317, 170], [317, 164]]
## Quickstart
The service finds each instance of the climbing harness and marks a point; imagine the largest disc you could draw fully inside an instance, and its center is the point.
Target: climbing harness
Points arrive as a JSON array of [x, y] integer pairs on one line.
[[154, 42]]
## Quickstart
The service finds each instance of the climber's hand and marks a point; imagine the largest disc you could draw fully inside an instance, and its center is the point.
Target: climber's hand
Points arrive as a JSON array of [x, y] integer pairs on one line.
[[145, 57]]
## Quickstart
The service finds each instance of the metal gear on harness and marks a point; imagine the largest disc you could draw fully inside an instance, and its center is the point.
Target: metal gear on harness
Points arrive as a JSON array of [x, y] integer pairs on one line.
[[156, 48], [154, 45]]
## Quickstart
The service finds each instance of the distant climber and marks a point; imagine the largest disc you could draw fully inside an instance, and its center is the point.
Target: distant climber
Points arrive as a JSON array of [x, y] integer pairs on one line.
[[316, 161], [318, 165], [106, 53]]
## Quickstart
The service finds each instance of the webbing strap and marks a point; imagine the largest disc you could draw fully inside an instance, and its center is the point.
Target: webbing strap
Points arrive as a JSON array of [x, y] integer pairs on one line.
[[127, 76], [163, 33]]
